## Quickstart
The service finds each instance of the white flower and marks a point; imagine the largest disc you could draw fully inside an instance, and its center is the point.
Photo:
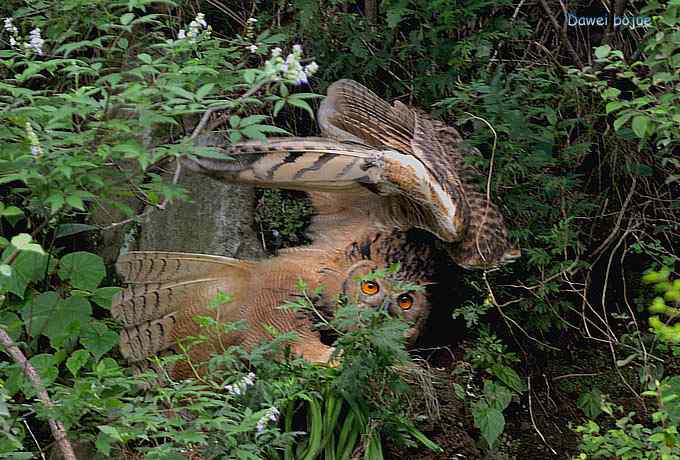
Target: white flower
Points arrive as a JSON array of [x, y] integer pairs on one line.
[[36, 150], [182, 34], [252, 20], [200, 19], [238, 388], [271, 415], [311, 68], [10, 27], [301, 77], [253, 48], [12, 42], [35, 41], [276, 52], [297, 49]]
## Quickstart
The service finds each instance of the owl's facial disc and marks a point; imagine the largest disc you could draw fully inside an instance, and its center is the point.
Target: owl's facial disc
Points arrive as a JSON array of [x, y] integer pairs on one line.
[[413, 306]]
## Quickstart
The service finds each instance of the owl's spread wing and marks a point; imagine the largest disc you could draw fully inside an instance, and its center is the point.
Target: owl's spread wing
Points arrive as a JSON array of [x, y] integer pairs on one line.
[[411, 163], [352, 112], [165, 288], [406, 192]]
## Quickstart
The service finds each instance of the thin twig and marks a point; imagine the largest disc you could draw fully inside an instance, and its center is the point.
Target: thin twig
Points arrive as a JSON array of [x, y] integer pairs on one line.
[[533, 422], [562, 33], [208, 113], [57, 428]]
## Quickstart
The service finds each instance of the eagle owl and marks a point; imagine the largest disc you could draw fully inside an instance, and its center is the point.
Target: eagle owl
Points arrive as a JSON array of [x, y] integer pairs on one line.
[[379, 172]]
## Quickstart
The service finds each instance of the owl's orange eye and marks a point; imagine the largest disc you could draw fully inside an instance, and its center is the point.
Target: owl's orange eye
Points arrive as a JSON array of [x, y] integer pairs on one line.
[[405, 301], [370, 287]]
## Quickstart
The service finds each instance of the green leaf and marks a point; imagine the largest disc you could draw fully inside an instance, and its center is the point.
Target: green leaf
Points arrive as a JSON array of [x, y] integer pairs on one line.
[[111, 432], [98, 339], [83, 270], [614, 105], [22, 242], [301, 104], [37, 312], [145, 58], [252, 132], [490, 422], [29, 266], [497, 395], [278, 105], [76, 361], [204, 90], [459, 391], [640, 124], [12, 211], [602, 52], [127, 18], [56, 202], [5, 270], [590, 402], [104, 296], [75, 202], [72, 229], [252, 120], [56, 320], [12, 324], [611, 93], [46, 366], [508, 376]]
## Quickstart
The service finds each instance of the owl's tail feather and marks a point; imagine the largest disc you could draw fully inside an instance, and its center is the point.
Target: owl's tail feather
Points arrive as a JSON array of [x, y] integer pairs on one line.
[[165, 290]]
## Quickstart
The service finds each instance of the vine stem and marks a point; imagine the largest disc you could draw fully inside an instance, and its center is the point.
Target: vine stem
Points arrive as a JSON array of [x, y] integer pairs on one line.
[[57, 428]]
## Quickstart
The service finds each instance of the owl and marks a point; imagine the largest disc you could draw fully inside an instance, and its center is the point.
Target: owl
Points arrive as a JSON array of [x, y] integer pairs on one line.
[[380, 176]]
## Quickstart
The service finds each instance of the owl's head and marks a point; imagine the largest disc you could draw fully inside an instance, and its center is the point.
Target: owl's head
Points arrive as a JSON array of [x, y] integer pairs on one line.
[[395, 293]]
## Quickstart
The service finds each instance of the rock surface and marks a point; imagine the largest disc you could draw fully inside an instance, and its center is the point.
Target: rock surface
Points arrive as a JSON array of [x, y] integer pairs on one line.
[[218, 220]]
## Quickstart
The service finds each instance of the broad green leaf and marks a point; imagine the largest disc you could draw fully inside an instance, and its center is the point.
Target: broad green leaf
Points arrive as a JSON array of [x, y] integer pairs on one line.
[[83, 270], [590, 402], [602, 52], [104, 296], [12, 211], [252, 132], [72, 229], [611, 93], [75, 202], [45, 365], [28, 266], [56, 202], [127, 18], [112, 432], [490, 422], [98, 339], [614, 105], [12, 324], [508, 376], [640, 124], [76, 361], [22, 242], [56, 319], [497, 395]]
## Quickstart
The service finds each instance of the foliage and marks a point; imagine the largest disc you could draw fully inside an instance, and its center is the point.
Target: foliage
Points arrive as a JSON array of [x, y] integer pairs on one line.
[[658, 437], [649, 103], [96, 99], [282, 218]]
